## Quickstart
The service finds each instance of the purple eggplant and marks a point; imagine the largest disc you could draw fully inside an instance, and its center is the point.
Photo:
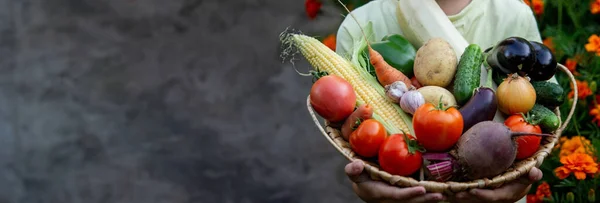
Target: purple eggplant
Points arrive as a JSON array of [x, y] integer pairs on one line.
[[482, 106]]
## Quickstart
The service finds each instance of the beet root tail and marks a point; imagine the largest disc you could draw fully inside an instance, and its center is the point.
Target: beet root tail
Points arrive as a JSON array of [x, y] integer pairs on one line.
[[518, 134]]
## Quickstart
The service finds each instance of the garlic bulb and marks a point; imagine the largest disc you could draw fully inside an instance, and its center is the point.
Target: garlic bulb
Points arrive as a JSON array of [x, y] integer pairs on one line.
[[395, 91], [411, 101]]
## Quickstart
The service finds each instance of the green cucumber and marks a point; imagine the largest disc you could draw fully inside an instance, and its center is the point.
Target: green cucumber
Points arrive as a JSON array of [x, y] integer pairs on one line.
[[544, 117], [468, 73], [548, 94]]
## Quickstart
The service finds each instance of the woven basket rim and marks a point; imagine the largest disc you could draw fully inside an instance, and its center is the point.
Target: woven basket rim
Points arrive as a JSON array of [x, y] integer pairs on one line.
[[518, 169]]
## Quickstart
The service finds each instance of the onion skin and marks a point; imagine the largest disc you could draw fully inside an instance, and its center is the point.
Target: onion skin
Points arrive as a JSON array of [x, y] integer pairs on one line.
[[515, 95], [437, 156], [441, 171]]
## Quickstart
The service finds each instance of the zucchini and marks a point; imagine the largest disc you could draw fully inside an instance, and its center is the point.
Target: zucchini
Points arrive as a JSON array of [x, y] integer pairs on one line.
[[548, 94], [468, 73], [544, 117]]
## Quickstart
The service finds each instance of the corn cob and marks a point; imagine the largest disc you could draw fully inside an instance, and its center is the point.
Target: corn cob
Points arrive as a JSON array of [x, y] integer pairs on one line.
[[366, 87]]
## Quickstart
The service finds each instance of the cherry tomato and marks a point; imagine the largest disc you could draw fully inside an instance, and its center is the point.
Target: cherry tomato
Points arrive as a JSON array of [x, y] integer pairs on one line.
[[333, 98], [436, 128], [527, 145], [367, 138], [396, 158]]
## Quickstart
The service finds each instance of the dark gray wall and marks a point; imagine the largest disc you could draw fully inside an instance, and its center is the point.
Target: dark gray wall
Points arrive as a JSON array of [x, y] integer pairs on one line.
[[159, 101]]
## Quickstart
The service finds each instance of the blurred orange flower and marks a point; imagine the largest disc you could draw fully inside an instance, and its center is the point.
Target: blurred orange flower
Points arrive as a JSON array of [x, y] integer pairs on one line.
[[329, 41], [560, 142], [595, 113], [593, 44], [571, 64], [578, 164], [312, 8], [577, 144], [595, 7], [543, 191], [538, 7], [531, 198], [550, 44], [583, 90]]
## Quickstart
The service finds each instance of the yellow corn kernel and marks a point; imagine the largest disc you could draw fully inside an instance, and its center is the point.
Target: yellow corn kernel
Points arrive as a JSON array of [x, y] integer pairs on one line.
[[323, 58]]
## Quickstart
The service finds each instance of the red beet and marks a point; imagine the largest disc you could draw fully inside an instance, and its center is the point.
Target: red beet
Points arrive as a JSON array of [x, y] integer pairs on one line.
[[487, 149]]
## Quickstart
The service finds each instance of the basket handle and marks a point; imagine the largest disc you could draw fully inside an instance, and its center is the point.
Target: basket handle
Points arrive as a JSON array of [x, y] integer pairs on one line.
[[323, 131], [575, 97]]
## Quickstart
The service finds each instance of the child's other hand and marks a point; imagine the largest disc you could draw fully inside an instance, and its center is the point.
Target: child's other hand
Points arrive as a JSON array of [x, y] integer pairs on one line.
[[510, 192], [379, 192]]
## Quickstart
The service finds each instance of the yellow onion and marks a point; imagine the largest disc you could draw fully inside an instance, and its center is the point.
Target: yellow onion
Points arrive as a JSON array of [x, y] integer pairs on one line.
[[515, 95]]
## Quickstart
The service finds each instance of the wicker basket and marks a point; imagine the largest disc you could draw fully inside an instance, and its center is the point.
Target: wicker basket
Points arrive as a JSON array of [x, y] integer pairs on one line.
[[518, 169]]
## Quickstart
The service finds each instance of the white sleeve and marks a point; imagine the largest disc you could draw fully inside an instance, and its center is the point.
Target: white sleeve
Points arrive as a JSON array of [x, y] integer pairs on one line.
[[531, 30], [349, 31], [382, 15]]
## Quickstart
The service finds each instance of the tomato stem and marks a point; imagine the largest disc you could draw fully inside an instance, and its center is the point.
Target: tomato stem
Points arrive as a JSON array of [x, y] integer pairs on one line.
[[357, 123], [318, 74], [530, 118], [440, 106], [412, 144]]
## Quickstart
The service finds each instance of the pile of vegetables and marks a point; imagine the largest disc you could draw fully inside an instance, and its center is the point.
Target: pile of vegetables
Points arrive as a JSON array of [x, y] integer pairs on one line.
[[452, 133], [455, 136]]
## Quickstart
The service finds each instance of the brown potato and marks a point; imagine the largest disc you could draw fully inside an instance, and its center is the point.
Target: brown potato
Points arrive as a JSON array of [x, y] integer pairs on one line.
[[432, 94], [435, 63]]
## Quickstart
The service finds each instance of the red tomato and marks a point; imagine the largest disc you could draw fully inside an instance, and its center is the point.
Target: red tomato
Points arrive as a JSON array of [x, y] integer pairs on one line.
[[395, 157], [333, 98], [367, 138], [437, 129], [527, 145]]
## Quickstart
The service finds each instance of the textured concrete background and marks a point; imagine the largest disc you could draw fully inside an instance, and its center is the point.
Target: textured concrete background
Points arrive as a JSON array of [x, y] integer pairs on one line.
[[159, 101]]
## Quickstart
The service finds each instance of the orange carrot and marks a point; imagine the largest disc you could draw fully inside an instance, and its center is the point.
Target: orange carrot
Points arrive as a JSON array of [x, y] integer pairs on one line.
[[363, 112], [386, 74], [415, 82]]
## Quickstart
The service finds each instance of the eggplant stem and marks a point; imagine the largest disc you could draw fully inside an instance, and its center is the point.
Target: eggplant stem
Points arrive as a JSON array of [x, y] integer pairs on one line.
[[488, 83]]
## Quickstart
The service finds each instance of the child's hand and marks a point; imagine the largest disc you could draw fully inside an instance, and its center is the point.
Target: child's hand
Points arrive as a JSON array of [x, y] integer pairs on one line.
[[380, 192], [510, 192]]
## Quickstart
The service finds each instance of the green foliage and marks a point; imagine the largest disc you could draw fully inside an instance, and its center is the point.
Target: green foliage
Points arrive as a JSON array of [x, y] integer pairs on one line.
[[569, 24]]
